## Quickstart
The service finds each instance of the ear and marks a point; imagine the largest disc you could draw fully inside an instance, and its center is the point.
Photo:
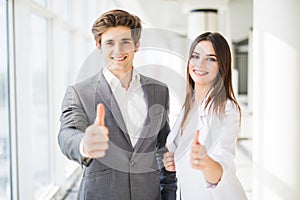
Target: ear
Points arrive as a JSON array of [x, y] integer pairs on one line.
[[137, 46], [99, 46]]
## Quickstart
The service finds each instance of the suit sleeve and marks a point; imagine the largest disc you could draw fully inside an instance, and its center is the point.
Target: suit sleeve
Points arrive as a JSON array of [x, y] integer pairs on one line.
[[73, 124], [168, 181]]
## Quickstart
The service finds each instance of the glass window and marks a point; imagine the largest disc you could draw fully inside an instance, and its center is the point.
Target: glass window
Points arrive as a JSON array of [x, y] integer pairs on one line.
[[62, 9], [64, 56], [5, 176], [40, 101], [67, 9], [42, 3]]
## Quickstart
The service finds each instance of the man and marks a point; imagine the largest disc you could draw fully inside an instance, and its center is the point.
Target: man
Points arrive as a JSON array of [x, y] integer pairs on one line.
[[116, 122]]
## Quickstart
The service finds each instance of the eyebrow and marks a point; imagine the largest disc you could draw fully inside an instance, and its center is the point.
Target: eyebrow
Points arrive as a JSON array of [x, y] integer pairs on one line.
[[211, 55], [206, 54], [109, 40], [125, 39]]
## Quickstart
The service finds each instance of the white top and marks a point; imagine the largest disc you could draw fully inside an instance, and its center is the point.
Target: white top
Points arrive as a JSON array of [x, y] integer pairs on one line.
[[219, 138], [132, 103]]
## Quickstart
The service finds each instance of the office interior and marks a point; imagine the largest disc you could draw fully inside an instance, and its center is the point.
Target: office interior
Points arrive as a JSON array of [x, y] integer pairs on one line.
[[47, 45]]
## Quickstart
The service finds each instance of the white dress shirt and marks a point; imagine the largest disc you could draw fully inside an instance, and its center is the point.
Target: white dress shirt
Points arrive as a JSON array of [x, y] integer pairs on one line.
[[131, 102], [218, 135]]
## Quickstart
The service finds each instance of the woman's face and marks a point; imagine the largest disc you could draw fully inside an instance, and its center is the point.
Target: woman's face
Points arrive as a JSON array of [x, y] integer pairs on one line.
[[203, 65]]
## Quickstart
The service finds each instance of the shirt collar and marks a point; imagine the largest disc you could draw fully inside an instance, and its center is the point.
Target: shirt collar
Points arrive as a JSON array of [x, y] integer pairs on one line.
[[113, 81]]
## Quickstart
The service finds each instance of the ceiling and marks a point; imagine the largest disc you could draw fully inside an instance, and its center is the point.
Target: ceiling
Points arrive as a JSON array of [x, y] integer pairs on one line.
[[173, 14]]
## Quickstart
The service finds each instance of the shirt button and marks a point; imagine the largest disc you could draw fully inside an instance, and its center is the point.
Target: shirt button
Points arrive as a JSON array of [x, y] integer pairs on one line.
[[133, 163]]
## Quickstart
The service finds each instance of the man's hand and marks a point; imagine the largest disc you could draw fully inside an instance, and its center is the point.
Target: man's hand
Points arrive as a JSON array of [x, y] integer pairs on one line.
[[95, 139]]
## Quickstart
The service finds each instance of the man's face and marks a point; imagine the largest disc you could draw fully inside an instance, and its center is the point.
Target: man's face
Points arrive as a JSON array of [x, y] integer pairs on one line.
[[118, 50]]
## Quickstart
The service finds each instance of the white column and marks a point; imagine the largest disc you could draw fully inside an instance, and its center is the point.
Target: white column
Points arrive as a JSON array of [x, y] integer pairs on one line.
[[276, 97], [250, 72], [202, 20]]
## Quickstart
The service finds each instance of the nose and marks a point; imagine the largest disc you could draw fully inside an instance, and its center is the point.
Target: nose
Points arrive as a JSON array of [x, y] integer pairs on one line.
[[202, 62], [117, 48], [199, 63]]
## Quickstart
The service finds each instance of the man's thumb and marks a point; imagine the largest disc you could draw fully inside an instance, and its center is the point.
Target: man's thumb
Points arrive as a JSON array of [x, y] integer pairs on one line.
[[100, 114]]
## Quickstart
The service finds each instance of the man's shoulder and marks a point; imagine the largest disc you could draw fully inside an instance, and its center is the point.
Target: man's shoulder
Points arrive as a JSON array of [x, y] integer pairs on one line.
[[92, 80], [149, 80]]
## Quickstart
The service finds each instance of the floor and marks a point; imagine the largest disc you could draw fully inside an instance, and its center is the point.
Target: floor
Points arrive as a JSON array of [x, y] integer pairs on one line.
[[243, 156]]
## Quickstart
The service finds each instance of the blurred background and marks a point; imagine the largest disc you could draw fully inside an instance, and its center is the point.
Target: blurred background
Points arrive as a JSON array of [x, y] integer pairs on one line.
[[46, 45]]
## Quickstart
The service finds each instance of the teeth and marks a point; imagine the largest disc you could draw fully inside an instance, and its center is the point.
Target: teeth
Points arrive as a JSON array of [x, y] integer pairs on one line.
[[200, 72], [119, 59]]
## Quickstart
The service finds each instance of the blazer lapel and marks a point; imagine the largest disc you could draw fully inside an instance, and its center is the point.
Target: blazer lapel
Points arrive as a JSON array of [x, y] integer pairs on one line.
[[105, 94], [149, 92]]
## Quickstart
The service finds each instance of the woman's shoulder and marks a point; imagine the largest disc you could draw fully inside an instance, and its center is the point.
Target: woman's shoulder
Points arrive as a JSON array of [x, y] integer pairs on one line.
[[231, 106], [232, 110]]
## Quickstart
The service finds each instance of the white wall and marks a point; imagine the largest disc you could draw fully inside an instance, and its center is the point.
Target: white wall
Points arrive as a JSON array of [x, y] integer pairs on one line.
[[276, 108]]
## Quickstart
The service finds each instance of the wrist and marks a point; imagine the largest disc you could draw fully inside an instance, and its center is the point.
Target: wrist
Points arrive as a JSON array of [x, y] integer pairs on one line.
[[82, 151]]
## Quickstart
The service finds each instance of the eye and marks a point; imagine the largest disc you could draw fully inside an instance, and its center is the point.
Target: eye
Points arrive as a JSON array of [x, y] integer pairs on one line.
[[211, 59], [126, 42], [195, 57], [109, 43]]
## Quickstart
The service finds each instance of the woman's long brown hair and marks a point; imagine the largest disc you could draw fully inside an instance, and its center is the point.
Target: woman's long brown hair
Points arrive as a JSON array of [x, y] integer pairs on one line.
[[222, 88]]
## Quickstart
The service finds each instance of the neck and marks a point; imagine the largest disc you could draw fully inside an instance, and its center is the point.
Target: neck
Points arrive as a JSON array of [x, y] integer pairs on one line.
[[125, 79], [200, 93]]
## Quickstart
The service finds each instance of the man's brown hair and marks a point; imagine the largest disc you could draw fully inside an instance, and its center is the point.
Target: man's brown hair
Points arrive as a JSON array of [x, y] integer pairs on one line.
[[114, 18]]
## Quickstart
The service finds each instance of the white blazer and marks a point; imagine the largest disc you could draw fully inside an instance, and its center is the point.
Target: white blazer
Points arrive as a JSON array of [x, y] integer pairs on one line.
[[218, 135]]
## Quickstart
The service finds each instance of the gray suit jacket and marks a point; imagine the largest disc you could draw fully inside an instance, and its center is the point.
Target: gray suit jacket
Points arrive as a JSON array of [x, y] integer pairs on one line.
[[126, 172]]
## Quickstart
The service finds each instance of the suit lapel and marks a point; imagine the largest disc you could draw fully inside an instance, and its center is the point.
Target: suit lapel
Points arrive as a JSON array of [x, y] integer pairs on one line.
[[105, 94], [148, 89], [154, 117]]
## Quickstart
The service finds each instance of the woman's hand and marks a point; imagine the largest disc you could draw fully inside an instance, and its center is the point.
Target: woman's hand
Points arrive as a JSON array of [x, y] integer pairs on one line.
[[168, 160], [211, 170], [198, 156]]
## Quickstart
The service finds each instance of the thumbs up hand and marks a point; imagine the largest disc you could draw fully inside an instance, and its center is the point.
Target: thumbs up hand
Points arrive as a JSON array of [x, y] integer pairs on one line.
[[198, 156], [100, 115], [95, 139]]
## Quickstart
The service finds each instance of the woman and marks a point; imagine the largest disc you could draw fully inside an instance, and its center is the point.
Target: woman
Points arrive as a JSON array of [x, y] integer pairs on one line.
[[202, 142]]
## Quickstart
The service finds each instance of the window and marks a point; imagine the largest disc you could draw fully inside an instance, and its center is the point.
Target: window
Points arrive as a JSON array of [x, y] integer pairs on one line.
[[52, 41], [5, 175], [62, 9], [40, 110], [42, 3]]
